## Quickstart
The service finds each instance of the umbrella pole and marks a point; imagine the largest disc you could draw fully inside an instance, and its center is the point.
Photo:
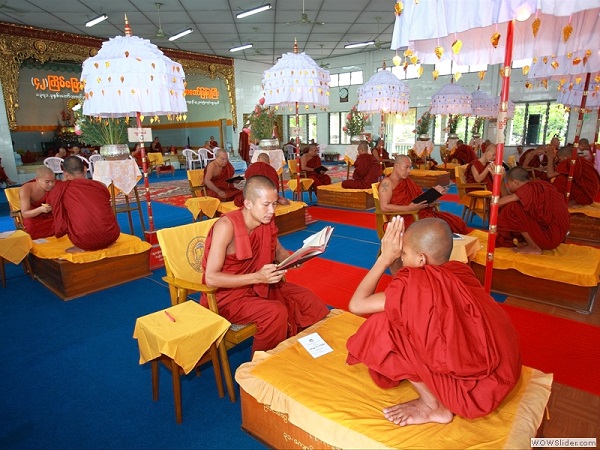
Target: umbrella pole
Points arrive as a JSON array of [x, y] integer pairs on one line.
[[576, 139], [596, 136], [298, 166], [502, 120], [150, 233]]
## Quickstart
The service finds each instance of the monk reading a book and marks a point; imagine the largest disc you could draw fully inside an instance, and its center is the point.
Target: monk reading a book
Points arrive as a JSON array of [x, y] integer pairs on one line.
[[240, 260], [397, 192], [311, 163], [216, 177], [434, 326], [263, 167]]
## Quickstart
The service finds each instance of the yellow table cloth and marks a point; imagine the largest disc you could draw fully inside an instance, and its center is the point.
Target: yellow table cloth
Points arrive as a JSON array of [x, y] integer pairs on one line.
[[306, 183], [15, 246], [55, 248], [338, 188], [184, 340], [568, 263], [155, 159], [341, 405], [205, 205], [123, 174], [592, 210], [465, 249]]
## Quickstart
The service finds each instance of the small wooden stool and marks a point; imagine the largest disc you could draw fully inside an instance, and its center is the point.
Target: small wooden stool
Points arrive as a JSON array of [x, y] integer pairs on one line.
[[486, 197]]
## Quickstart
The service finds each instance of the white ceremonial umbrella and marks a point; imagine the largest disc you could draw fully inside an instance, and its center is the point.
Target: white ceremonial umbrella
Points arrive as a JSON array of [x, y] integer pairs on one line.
[[480, 104], [452, 99], [491, 32], [296, 79], [131, 77]]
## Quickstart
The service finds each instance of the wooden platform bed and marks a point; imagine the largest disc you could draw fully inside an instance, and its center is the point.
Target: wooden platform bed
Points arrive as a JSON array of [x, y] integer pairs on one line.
[[426, 179], [70, 280], [335, 195], [584, 229]]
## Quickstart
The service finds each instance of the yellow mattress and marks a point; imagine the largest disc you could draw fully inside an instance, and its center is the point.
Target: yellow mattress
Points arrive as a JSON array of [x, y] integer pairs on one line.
[[340, 404], [338, 188], [280, 210], [54, 248], [426, 173], [592, 210], [568, 263]]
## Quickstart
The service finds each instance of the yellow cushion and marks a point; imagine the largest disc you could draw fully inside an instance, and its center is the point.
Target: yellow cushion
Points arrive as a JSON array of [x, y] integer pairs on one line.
[[425, 173], [568, 263], [280, 210], [592, 210], [338, 188], [55, 248]]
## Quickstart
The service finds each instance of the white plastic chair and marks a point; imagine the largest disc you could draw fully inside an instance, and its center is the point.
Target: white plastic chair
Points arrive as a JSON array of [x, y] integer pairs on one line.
[[93, 160], [290, 151], [55, 164], [86, 163], [192, 159], [207, 155]]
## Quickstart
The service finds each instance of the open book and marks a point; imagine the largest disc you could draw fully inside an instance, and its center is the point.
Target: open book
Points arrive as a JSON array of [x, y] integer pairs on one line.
[[429, 196], [320, 169], [313, 246], [234, 179]]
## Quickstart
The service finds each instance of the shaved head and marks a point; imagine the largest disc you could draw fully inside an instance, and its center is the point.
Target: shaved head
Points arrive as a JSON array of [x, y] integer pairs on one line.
[[256, 184], [263, 157], [73, 165], [518, 174], [44, 172], [402, 159], [221, 151], [432, 237]]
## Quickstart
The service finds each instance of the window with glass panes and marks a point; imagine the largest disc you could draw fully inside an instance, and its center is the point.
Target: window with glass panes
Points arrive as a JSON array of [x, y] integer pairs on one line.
[[337, 135], [307, 128]]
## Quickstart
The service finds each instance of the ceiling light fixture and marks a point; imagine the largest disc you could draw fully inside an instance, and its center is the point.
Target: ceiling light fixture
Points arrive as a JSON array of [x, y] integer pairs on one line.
[[253, 11], [180, 34], [359, 44], [97, 20], [241, 47]]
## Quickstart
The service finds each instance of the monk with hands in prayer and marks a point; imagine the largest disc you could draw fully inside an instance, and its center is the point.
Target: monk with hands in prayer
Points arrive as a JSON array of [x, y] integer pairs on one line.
[[434, 326]]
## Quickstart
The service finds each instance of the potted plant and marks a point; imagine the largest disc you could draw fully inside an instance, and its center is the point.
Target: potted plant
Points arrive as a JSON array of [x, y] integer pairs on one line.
[[423, 125], [110, 134], [261, 123], [476, 129], [453, 121], [355, 123]]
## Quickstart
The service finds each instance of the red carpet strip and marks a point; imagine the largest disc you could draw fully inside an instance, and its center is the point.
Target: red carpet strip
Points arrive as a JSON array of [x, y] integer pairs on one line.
[[357, 218]]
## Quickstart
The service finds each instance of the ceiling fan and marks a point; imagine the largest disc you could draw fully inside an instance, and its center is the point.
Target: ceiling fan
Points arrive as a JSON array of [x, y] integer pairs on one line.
[[304, 19], [159, 33]]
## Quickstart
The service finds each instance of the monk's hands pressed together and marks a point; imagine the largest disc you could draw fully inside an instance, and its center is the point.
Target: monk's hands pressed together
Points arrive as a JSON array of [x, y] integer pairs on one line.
[[391, 243], [270, 274]]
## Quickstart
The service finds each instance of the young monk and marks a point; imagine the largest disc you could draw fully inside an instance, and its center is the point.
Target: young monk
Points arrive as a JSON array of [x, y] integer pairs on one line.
[[434, 326], [37, 213], [263, 167]]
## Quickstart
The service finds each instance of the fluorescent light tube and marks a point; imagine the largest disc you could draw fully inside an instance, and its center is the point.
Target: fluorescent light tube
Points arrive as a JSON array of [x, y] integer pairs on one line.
[[241, 47], [359, 44], [97, 20], [181, 34], [253, 11]]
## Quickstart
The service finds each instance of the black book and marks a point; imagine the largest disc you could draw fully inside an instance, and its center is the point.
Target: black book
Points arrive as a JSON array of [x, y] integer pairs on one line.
[[320, 169], [429, 196], [234, 179]]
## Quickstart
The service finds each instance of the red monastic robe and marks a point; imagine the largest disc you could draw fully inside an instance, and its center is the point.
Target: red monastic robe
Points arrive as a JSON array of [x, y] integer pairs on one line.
[[42, 225], [464, 154], [319, 178], [383, 154], [258, 168], [83, 212], [278, 310], [366, 172], [488, 180], [3, 174], [404, 193], [586, 181], [244, 146], [226, 173], [440, 327], [541, 211], [535, 162]]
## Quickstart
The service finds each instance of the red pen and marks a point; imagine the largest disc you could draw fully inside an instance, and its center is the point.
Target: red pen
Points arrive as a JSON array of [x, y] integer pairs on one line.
[[171, 318]]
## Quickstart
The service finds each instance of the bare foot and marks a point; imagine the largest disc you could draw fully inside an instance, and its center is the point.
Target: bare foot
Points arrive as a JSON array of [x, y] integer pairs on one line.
[[74, 250], [528, 250], [416, 412]]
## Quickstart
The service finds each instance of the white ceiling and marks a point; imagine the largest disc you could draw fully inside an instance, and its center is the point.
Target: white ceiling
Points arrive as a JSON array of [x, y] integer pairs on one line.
[[216, 29]]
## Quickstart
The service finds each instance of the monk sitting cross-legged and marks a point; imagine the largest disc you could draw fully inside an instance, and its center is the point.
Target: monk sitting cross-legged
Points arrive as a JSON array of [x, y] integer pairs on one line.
[[310, 162], [366, 169], [36, 212], [535, 214], [463, 153], [586, 181], [82, 210], [397, 191], [434, 326], [263, 167], [242, 251], [217, 173]]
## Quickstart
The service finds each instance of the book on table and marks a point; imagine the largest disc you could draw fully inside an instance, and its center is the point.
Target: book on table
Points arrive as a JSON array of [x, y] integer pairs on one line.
[[429, 196], [313, 246], [234, 179]]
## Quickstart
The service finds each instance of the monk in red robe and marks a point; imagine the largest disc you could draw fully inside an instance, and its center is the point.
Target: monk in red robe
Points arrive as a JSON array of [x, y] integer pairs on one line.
[[482, 170], [381, 154], [311, 161], [397, 191], [586, 181], [218, 171], [535, 214], [4, 178], [36, 212], [82, 210], [463, 153], [434, 326], [263, 167], [244, 146], [367, 169], [241, 249], [536, 161]]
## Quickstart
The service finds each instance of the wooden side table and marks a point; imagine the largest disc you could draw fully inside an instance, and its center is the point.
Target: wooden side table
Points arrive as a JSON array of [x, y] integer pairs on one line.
[[183, 337], [14, 247], [483, 196]]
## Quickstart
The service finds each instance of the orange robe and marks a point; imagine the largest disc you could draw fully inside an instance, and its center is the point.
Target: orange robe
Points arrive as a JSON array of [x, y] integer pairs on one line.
[[488, 180], [440, 327], [258, 168], [366, 172], [42, 225], [83, 212], [586, 181], [279, 310], [541, 211], [226, 173], [464, 154], [404, 193], [319, 178]]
